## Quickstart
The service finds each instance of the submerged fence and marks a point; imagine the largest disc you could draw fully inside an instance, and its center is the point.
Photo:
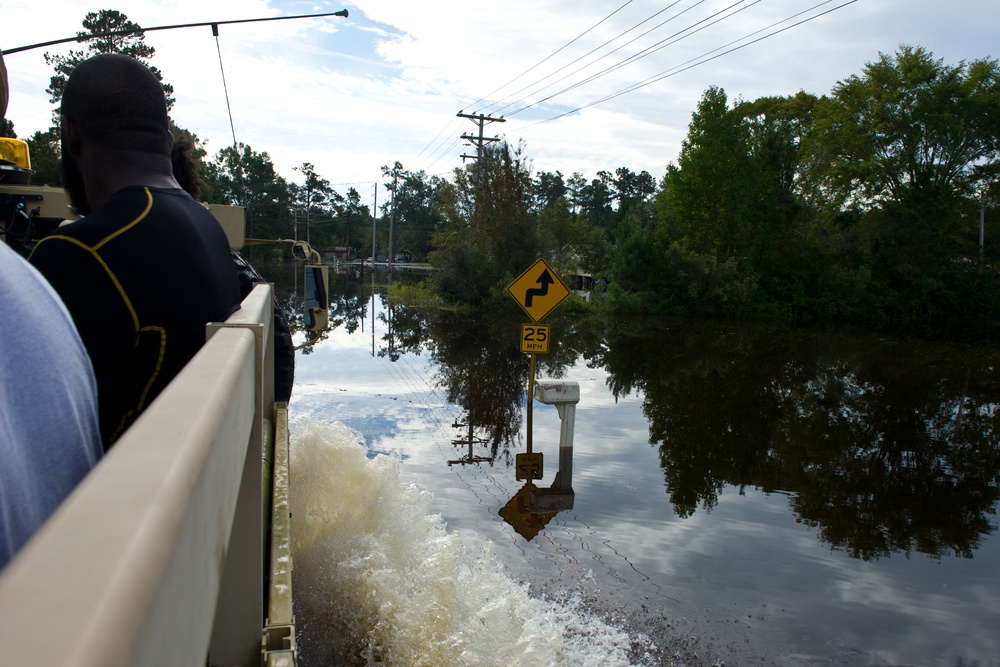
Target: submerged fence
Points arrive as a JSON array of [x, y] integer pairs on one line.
[[162, 555]]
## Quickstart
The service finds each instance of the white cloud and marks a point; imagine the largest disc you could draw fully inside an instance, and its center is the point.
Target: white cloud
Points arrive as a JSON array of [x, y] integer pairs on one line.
[[351, 95]]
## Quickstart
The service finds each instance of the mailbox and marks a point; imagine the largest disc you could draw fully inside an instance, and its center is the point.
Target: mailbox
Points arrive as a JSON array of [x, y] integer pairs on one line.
[[555, 392]]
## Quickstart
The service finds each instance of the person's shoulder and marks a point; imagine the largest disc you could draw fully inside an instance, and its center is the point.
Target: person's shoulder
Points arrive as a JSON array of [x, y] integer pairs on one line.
[[176, 194], [181, 199], [83, 233], [170, 192], [27, 286], [12, 266], [94, 227]]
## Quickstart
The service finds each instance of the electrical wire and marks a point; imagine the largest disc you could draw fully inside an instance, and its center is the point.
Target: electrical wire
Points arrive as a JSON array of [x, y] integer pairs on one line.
[[432, 141], [648, 51], [694, 62], [442, 149], [690, 64], [543, 60], [592, 51]]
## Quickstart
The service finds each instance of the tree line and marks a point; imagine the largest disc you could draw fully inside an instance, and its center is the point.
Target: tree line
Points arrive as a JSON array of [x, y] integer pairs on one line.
[[865, 206]]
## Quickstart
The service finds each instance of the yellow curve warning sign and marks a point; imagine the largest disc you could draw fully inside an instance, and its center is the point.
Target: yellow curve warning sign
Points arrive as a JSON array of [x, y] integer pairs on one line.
[[538, 290]]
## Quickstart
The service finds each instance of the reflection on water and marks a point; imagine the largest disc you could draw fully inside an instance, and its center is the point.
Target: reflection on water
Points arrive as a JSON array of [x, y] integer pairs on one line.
[[486, 380], [886, 446], [807, 498]]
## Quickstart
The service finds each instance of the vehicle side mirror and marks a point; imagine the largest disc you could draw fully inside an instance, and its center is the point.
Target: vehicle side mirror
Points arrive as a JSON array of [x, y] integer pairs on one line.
[[301, 250], [317, 299]]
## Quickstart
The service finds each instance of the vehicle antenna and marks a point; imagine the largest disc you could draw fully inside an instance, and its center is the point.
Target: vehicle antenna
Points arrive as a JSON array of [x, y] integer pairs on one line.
[[83, 38]]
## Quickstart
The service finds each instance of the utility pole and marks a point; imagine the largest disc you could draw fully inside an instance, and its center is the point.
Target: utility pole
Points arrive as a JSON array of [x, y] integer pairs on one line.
[[392, 216], [982, 226], [374, 220], [985, 199], [478, 141]]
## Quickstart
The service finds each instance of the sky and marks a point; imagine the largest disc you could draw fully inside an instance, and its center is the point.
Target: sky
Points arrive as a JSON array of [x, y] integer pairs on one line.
[[350, 95]]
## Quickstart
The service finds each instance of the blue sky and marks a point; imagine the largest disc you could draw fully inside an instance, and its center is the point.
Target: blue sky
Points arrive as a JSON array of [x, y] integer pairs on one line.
[[350, 95]]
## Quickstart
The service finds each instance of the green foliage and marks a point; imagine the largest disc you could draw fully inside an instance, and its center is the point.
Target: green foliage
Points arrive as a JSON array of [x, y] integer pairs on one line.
[[717, 195], [240, 176], [419, 206], [907, 142], [419, 295], [476, 260], [852, 208], [463, 272], [909, 121], [44, 150], [503, 228], [355, 217], [559, 234], [548, 189], [316, 205], [633, 192], [594, 200], [634, 258], [700, 284]]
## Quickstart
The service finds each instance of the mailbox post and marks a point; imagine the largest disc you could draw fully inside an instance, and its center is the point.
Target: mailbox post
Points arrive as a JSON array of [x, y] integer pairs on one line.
[[564, 395]]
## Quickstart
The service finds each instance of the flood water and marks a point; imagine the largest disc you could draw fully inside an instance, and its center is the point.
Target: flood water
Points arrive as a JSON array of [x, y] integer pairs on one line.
[[741, 495]]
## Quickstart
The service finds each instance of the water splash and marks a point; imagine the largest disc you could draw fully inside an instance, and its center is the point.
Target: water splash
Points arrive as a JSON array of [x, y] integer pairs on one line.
[[380, 580]]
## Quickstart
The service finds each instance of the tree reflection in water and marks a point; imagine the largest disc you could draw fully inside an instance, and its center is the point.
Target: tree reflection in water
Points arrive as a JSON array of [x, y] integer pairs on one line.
[[885, 446], [481, 369]]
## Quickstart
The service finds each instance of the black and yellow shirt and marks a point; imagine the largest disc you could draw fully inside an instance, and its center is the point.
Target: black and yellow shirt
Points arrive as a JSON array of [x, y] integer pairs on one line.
[[141, 277]]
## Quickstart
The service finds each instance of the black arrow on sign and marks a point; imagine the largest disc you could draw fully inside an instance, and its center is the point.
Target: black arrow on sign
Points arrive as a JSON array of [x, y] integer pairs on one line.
[[544, 280]]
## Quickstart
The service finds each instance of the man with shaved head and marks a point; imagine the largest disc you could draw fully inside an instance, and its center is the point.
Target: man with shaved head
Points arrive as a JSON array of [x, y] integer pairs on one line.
[[146, 266]]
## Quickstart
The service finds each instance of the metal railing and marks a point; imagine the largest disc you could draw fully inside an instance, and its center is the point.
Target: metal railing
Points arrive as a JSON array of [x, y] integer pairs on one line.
[[159, 556]]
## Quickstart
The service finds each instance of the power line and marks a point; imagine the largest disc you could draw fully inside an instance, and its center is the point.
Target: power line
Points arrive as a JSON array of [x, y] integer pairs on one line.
[[658, 46], [681, 68], [354, 183], [550, 55], [442, 149], [573, 62], [432, 141]]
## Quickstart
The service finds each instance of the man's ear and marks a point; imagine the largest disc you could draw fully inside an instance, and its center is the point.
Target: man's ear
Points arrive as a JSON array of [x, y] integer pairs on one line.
[[71, 136]]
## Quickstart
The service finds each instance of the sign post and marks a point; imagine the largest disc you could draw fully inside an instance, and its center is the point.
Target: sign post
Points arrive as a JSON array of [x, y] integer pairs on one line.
[[538, 291]]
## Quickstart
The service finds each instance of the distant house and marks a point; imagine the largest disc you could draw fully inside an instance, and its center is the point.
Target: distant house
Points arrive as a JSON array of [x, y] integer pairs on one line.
[[581, 283], [329, 254]]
